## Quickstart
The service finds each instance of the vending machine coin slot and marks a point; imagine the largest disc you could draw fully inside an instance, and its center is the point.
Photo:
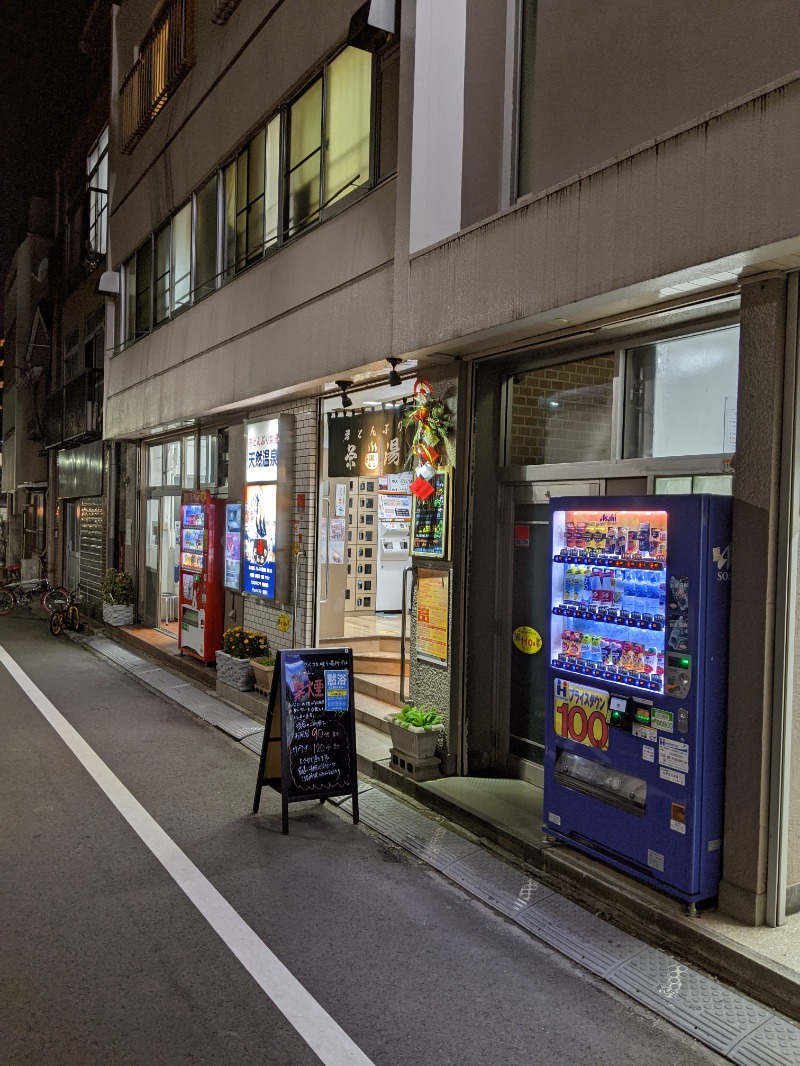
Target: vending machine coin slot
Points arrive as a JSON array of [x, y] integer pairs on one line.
[[678, 675]]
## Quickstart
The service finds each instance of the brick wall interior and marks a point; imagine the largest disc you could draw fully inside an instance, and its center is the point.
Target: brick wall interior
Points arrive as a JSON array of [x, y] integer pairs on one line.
[[577, 429]]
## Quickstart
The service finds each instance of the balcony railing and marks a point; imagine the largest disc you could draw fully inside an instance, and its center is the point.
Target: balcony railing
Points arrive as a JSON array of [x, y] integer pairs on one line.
[[165, 56]]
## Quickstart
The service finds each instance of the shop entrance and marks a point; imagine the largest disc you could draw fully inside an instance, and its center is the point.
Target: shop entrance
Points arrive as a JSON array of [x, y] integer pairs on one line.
[[528, 577], [364, 532]]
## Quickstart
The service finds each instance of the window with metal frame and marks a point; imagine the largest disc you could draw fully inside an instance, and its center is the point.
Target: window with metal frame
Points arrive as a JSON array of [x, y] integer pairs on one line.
[[97, 189]]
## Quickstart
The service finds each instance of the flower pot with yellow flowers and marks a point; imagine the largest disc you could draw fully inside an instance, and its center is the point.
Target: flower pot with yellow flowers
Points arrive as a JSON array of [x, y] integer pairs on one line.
[[239, 646]]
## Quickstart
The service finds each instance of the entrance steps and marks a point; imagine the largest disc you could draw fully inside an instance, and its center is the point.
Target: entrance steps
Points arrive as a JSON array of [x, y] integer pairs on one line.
[[379, 655]]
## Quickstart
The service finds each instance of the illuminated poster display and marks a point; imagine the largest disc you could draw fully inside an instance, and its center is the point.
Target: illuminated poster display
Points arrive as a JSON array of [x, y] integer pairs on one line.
[[267, 560], [260, 525], [233, 546], [433, 599]]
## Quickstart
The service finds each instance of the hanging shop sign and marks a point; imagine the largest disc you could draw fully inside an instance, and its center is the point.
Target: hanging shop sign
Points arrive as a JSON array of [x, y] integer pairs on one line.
[[268, 507], [366, 444]]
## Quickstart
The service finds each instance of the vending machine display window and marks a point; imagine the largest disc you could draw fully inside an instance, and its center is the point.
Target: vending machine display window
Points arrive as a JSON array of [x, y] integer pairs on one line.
[[610, 595]]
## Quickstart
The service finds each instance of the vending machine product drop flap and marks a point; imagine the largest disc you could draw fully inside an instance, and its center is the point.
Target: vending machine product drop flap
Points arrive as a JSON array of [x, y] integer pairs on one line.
[[637, 685]]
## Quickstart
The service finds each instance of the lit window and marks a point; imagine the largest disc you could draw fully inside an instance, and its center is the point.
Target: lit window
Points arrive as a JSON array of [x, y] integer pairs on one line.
[[97, 187]]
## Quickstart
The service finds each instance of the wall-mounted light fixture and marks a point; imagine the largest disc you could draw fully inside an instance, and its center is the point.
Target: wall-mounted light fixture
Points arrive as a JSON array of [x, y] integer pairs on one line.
[[394, 377], [344, 386]]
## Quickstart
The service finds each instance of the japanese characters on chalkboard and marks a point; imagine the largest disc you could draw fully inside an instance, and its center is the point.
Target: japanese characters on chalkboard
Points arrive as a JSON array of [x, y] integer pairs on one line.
[[430, 520], [312, 693]]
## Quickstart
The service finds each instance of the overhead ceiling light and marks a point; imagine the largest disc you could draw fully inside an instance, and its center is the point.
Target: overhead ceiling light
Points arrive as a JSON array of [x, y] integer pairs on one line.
[[394, 377], [344, 386]]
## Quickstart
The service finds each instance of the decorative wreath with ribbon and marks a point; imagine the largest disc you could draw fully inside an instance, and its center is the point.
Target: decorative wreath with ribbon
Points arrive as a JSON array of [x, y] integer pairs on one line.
[[426, 423]]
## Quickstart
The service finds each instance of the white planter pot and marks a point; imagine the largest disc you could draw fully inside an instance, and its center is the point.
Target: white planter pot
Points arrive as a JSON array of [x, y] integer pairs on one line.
[[414, 741], [238, 673], [118, 614]]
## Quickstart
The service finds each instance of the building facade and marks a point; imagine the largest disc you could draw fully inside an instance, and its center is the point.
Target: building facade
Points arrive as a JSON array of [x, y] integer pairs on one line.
[[573, 225]]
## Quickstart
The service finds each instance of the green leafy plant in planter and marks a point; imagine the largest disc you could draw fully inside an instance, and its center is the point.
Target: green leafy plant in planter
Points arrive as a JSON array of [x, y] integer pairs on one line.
[[117, 593], [419, 717], [263, 670], [117, 588], [416, 732]]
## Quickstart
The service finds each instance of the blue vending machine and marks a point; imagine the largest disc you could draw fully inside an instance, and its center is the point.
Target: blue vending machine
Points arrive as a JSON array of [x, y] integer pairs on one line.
[[637, 687]]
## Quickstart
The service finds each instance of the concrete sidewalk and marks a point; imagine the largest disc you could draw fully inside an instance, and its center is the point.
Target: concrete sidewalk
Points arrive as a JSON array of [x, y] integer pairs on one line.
[[637, 939]]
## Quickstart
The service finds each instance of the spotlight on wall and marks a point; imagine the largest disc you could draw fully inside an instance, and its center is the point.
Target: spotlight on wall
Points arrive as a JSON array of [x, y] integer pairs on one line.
[[394, 377], [344, 386]]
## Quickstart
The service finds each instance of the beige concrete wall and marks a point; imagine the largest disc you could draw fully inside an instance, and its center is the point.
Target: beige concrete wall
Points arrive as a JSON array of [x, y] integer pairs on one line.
[[612, 75], [753, 592]]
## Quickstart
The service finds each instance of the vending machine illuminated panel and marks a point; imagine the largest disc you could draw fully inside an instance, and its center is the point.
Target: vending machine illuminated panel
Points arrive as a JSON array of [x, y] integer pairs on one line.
[[637, 685], [609, 591], [200, 603]]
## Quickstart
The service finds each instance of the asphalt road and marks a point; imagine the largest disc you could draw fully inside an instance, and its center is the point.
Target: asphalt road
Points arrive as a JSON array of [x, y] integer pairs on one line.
[[104, 959]]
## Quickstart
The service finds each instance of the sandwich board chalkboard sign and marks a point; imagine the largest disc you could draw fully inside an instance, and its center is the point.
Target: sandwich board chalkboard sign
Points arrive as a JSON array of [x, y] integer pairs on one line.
[[309, 749]]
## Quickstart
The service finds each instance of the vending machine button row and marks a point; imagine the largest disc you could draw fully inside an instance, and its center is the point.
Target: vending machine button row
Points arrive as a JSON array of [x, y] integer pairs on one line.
[[597, 616], [613, 561], [608, 675]]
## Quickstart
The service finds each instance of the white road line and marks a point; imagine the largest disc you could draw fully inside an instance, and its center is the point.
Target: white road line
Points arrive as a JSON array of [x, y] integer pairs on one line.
[[333, 1046]]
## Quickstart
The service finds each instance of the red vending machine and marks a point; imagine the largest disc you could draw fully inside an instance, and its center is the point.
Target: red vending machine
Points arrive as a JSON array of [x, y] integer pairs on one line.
[[201, 604]]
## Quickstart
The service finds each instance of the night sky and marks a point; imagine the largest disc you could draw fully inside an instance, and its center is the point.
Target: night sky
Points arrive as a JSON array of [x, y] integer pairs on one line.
[[40, 87]]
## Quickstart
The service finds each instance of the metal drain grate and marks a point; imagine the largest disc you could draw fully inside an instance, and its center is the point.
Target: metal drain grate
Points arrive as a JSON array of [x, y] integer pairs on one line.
[[716, 1015], [255, 741], [775, 1043], [421, 836], [496, 883], [575, 932]]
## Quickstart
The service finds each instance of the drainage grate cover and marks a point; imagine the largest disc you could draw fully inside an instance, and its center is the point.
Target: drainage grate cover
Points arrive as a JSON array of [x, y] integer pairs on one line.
[[496, 883], [576, 932], [716, 1015], [113, 651], [255, 741], [775, 1043], [422, 837]]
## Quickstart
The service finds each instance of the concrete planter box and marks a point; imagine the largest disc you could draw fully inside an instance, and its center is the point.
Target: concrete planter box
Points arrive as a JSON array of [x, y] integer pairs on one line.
[[118, 614], [238, 673], [415, 741]]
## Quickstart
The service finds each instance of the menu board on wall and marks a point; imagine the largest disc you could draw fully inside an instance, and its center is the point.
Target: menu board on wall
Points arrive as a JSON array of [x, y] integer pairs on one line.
[[433, 606], [430, 519], [312, 696]]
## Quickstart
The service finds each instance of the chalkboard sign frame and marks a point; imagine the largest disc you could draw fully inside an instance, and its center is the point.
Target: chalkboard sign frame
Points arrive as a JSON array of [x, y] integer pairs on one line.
[[438, 548], [291, 669]]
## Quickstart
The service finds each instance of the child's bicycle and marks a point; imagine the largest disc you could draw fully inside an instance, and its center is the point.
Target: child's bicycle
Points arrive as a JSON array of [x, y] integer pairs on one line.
[[67, 614]]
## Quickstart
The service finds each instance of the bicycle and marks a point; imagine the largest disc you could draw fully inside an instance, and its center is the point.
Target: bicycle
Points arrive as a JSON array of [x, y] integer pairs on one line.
[[68, 615], [20, 593]]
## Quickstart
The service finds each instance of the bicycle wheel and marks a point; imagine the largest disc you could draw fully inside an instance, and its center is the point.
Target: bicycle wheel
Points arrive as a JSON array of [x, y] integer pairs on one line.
[[6, 601], [55, 599], [73, 617], [56, 622]]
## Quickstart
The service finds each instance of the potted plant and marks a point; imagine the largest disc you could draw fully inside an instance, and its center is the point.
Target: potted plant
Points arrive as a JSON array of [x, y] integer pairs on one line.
[[416, 731], [264, 668], [118, 597], [239, 647]]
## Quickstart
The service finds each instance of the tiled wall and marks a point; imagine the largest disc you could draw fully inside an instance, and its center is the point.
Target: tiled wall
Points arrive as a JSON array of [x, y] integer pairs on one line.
[[562, 414]]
